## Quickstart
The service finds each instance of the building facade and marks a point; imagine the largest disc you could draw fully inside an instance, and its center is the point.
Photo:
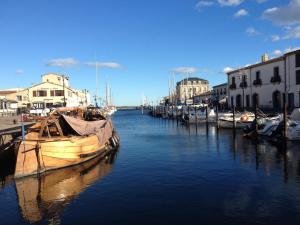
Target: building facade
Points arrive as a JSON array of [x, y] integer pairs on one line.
[[267, 84], [220, 91], [203, 98], [53, 91], [190, 87]]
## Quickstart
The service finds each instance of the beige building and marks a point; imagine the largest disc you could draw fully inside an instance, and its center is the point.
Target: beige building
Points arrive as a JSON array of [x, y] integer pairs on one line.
[[53, 91], [190, 87]]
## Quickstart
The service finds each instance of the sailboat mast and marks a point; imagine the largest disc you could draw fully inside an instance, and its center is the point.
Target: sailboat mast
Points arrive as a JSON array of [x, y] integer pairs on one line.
[[106, 93], [97, 84]]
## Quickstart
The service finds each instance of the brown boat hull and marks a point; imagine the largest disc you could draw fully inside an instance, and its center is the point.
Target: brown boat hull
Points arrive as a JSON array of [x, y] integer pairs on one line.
[[35, 157]]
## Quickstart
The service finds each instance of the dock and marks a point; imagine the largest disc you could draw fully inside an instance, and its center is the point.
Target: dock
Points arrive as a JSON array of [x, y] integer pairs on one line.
[[10, 128]]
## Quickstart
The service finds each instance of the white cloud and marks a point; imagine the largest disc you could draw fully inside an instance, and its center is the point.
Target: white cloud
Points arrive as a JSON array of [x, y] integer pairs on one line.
[[241, 12], [275, 37], [252, 31], [227, 69], [230, 2], [62, 62], [113, 65], [277, 52], [19, 71], [184, 70], [204, 3], [261, 1], [287, 15], [293, 33]]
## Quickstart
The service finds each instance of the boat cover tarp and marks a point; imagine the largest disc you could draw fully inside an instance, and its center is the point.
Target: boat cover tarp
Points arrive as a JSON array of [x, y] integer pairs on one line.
[[102, 128], [296, 114]]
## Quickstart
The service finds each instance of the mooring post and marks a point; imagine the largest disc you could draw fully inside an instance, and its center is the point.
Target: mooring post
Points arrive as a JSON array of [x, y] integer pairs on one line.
[[196, 117], [206, 115], [177, 115], [217, 116], [256, 116], [233, 118], [188, 115], [284, 119]]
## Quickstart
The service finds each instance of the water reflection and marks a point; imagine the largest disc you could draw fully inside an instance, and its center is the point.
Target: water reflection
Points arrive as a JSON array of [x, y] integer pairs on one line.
[[45, 197]]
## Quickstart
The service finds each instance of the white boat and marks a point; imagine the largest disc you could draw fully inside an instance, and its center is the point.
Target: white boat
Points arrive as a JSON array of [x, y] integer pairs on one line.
[[293, 131], [266, 126], [200, 116], [241, 120]]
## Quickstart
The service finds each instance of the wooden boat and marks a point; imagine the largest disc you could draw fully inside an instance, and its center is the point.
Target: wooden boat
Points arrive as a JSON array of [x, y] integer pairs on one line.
[[69, 136], [45, 197]]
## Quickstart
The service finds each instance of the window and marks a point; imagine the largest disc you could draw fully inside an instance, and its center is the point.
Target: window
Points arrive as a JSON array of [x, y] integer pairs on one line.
[[291, 100], [276, 71], [257, 75], [247, 101], [233, 80], [57, 93], [298, 60], [298, 77], [19, 97], [41, 93], [38, 105]]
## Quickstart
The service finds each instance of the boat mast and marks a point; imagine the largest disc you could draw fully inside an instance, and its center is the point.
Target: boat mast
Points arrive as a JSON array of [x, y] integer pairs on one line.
[[97, 84]]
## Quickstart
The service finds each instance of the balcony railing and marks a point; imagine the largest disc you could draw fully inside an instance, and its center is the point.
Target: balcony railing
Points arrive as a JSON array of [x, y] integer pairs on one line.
[[257, 82], [243, 84], [275, 79], [232, 86]]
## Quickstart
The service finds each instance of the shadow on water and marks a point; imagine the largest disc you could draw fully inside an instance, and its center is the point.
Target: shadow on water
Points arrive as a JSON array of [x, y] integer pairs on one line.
[[7, 166]]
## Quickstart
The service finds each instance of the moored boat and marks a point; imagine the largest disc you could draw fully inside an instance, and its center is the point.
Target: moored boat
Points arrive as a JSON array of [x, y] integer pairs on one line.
[[241, 120], [69, 136]]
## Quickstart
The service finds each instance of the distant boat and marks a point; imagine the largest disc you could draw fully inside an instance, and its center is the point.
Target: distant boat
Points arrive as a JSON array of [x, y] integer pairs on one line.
[[69, 136]]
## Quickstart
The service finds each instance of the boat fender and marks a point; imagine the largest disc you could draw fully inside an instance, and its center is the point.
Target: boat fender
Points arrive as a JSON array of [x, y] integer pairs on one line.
[[244, 118], [113, 142], [116, 140]]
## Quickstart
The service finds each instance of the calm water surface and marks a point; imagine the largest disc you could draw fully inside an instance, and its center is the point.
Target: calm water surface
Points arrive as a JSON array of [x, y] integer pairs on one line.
[[164, 174]]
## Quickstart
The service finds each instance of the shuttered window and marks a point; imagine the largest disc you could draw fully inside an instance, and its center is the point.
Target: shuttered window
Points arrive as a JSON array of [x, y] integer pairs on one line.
[[298, 77], [298, 60]]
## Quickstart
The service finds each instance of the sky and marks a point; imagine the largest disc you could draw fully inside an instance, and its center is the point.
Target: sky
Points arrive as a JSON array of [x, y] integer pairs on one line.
[[139, 44]]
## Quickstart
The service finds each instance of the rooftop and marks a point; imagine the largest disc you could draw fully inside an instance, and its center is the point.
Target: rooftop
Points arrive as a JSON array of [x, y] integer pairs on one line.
[[280, 58], [219, 85], [191, 79]]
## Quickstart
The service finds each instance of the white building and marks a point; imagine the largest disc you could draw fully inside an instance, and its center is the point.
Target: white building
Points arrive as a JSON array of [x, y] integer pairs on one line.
[[266, 83]]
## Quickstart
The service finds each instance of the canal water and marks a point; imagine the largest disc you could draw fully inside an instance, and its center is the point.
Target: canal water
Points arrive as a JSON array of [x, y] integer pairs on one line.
[[164, 173]]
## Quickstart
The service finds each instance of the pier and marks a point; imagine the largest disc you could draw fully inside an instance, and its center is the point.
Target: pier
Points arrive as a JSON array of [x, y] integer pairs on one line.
[[10, 128]]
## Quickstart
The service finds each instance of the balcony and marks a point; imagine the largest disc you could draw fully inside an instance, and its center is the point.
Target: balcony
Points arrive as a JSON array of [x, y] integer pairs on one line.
[[232, 86], [275, 79], [257, 82], [243, 84]]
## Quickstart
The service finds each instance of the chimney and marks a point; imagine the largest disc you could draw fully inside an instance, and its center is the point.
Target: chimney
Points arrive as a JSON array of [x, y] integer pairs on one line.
[[264, 57]]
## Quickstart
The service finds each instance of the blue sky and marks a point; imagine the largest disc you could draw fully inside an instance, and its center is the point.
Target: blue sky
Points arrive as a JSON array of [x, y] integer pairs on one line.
[[142, 40]]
